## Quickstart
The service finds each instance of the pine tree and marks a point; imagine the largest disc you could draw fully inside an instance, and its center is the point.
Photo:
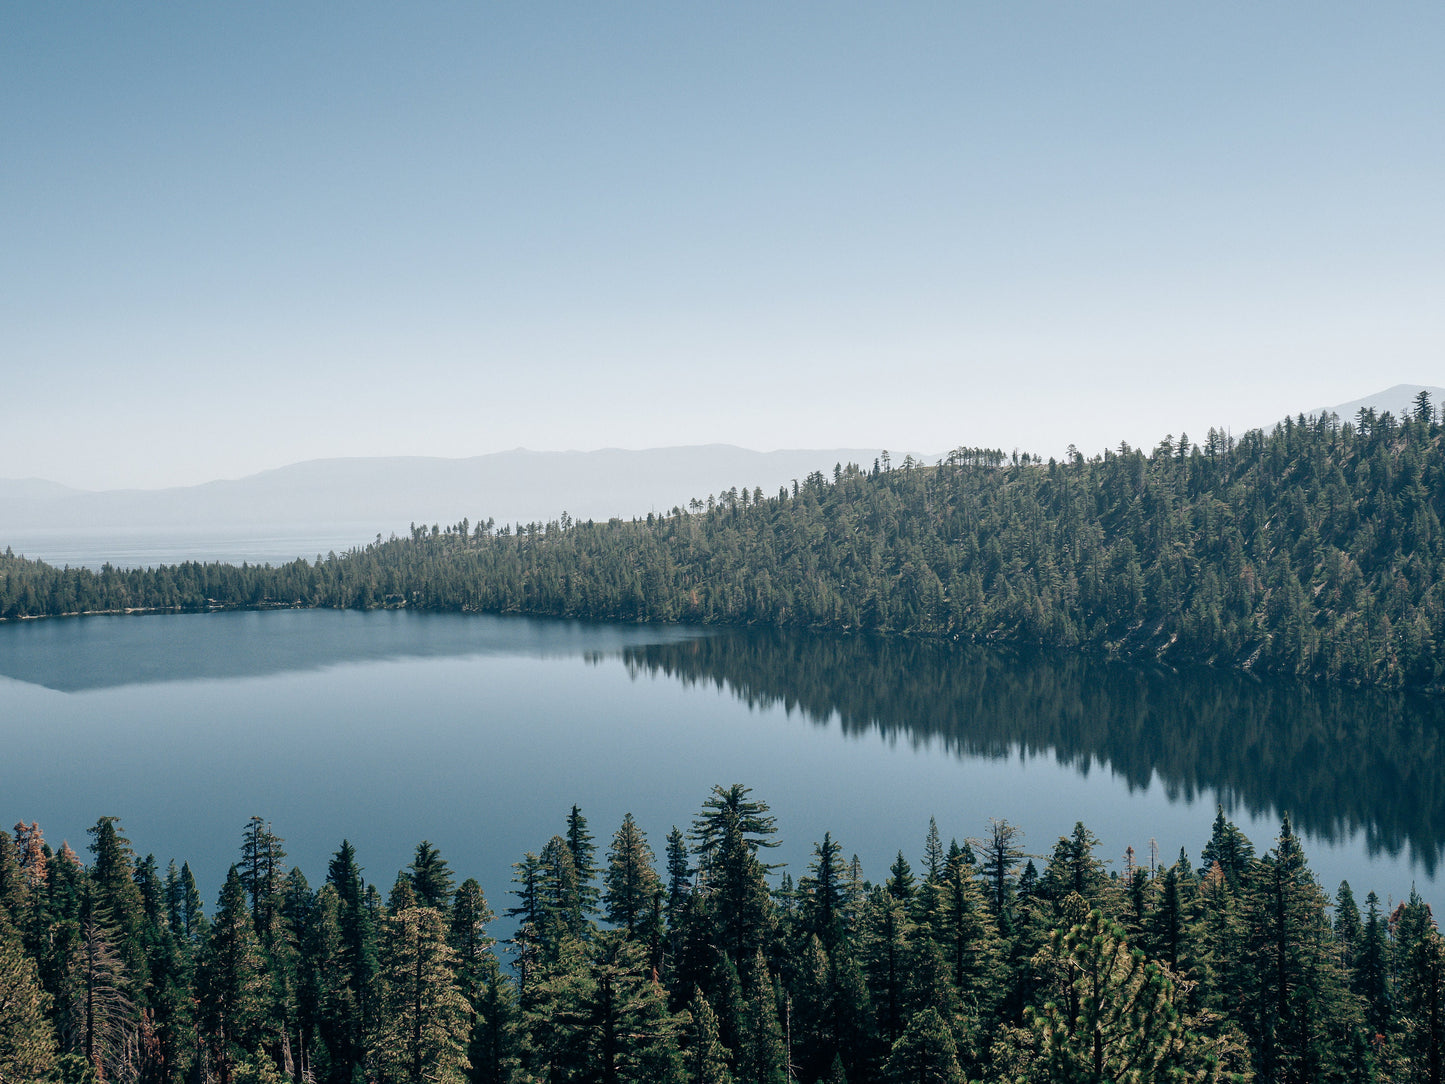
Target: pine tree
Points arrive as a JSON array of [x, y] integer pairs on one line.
[[584, 852], [352, 992], [1112, 1014], [729, 833], [424, 1023], [679, 875], [761, 1054], [705, 1058], [884, 937], [1294, 1006], [925, 1054], [823, 893], [1002, 852], [632, 1038], [232, 980], [27, 1038], [1372, 970], [431, 878], [900, 879], [262, 871], [1422, 1010], [631, 883], [1227, 846]]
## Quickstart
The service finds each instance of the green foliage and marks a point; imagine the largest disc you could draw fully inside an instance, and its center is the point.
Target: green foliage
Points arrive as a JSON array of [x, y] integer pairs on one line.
[[1245, 974], [424, 1022], [1111, 1014], [27, 1037], [1314, 549]]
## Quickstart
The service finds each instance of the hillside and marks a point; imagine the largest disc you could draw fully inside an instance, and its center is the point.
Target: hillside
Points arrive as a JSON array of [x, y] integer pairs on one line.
[[1311, 550]]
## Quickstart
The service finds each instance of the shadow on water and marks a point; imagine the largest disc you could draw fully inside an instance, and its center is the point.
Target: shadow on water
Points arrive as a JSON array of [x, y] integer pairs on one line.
[[1339, 761], [73, 655]]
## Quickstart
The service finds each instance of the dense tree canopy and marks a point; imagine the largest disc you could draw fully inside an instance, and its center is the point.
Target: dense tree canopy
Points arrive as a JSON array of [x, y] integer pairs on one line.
[[1314, 550], [976, 968]]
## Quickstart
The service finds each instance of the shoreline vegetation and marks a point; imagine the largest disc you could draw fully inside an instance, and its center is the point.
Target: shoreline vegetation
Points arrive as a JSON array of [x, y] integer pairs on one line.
[[1311, 551], [711, 966]]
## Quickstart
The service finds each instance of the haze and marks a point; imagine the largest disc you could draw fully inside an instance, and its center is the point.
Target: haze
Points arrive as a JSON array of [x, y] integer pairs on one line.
[[239, 237]]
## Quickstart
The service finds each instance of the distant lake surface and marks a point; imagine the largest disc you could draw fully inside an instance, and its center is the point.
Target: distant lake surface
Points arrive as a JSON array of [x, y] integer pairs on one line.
[[148, 547], [479, 733]]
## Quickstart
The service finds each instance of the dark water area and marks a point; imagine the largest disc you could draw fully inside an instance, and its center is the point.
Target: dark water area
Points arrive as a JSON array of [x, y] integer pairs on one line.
[[479, 733]]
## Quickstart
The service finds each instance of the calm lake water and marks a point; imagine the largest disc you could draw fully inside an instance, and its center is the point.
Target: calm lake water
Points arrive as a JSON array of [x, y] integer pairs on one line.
[[479, 733]]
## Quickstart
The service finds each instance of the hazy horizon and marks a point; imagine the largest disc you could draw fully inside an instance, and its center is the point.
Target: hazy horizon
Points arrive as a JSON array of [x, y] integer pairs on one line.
[[240, 238]]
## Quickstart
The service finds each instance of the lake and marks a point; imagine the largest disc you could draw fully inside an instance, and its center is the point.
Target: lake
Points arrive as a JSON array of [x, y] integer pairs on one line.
[[478, 734]]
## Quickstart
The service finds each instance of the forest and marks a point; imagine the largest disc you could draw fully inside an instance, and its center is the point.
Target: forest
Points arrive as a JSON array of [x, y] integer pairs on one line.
[[977, 960], [1313, 550]]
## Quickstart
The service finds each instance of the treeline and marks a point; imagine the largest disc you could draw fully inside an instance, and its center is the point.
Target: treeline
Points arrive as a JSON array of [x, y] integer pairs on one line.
[[709, 968], [1312, 550]]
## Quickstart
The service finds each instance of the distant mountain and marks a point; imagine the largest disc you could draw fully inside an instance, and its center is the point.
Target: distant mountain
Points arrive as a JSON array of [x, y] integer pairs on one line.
[[384, 495], [1399, 401]]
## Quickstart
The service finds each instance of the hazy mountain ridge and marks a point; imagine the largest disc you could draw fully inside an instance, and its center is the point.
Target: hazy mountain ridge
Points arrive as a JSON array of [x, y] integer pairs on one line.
[[393, 492]]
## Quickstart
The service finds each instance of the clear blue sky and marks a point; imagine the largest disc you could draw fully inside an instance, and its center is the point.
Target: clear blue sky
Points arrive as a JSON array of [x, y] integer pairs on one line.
[[235, 236]]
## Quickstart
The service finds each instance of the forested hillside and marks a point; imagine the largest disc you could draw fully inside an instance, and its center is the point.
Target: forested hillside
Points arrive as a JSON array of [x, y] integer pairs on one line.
[[971, 962], [1312, 550]]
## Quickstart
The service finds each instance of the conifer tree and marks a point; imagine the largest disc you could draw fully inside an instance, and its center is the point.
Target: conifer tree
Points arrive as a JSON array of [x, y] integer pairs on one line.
[[705, 1058], [232, 980], [761, 1055], [27, 1037], [924, 1054], [424, 1022], [632, 1038], [679, 875], [1421, 1016], [263, 872], [631, 883], [884, 950], [353, 992], [431, 878], [584, 861], [1112, 1014]]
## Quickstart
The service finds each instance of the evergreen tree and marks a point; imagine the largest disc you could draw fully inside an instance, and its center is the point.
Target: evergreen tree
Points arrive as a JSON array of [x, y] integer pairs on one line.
[[900, 879], [27, 1038], [679, 875], [705, 1058], [431, 878], [823, 893], [232, 980], [584, 852], [631, 883], [761, 1054], [352, 992], [1422, 1011], [1112, 1015], [1002, 852], [1372, 970], [262, 871], [632, 1037], [925, 1054], [425, 1023], [1227, 846]]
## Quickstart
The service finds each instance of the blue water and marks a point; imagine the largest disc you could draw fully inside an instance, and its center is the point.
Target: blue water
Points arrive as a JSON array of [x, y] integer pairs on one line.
[[479, 733]]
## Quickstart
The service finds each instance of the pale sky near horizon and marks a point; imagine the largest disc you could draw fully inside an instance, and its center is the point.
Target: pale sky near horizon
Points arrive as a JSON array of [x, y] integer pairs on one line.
[[237, 236]]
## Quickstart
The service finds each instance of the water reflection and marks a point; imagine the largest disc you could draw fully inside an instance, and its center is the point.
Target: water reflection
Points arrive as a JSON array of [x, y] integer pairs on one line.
[[102, 652], [1338, 760]]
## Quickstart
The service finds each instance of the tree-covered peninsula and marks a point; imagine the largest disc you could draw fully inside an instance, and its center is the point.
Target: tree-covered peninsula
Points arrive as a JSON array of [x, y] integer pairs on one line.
[[1311, 550], [973, 960]]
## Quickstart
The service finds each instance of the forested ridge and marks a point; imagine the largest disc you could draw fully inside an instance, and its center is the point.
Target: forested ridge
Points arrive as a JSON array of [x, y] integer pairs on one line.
[[972, 961], [1311, 550]]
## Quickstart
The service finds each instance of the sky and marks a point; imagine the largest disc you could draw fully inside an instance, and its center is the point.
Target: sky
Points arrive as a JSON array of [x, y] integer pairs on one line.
[[238, 236]]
